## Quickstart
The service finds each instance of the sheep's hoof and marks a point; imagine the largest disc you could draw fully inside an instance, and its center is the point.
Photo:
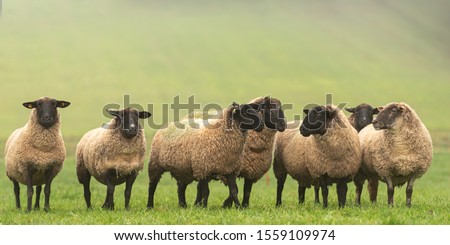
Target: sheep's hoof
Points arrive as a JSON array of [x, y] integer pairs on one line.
[[108, 206], [227, 203], [37, 208], [47, 209], [182, 205]]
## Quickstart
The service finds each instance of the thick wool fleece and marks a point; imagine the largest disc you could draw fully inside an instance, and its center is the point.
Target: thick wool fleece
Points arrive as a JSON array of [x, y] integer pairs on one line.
[[37, 147], [104, 149], [402, 152], [197, 153], [336, 154]]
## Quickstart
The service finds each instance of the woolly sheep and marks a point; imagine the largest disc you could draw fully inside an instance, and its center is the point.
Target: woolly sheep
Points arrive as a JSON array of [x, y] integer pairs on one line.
[[397, 148], [35, 153], [360, 117], [202, 153], [113, 154], [331, 155], [256, 157]]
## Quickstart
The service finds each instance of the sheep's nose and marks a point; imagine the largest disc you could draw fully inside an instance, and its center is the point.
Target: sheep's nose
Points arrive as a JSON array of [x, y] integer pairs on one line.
[[364, 120], [374, 121], [46, 118], [132, 127]]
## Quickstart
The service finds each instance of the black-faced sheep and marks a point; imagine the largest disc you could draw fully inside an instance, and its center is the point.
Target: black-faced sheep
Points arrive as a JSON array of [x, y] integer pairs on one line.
[[397, 148], [257, 155], [202, 153], [35, 154], [361, 116], [331, 155], [113, 154]]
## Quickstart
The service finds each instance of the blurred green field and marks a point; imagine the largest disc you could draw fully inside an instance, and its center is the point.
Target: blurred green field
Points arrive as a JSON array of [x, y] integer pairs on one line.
[[93, 53]]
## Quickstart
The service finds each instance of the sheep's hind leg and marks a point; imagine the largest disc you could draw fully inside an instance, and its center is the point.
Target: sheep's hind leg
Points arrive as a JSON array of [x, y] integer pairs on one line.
[[316, 194], [359, 184], [232, 186], [409, 191], [153, 183], [204, 184], [182, 195], [128, 188], [247, 191], [281, 179], [17, 193], [198, 199], [37, 204], [373, 189]]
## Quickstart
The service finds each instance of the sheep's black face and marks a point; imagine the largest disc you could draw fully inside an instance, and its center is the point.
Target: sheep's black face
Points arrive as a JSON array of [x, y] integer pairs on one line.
[[273, 114], [46, 110], [363, 115], [387, 118], [128, 121], [248, 117], [316, 121]]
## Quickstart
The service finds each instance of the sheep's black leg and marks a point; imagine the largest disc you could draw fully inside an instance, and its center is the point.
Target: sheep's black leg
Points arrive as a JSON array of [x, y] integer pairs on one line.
[[301, 194], [84, 177], [205, 192], [29, 180], [280, 185], [342, 189], [247, 192], [47, 189], [324, 186], [17, 192], [128, 187], [182, 195], [359, 184], [37, 204], [316, 194], [409, 191], [373, 189], [232, 186], [198, 199], [153, 183], [109, 200], [390, 191]]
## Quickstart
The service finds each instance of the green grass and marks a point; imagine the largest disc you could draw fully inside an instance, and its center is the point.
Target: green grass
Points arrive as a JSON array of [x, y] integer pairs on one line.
[[430, 204], [92, 53]]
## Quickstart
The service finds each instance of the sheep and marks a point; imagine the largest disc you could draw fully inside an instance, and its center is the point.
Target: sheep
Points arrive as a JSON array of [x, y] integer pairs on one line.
[[256, 157], [202, 153], [35, 153], [397, 148], [331, 155], [113, 154], [360, 117]]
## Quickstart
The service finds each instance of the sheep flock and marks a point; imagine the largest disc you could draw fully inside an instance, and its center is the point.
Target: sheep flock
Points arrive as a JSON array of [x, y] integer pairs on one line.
[[386, 143]]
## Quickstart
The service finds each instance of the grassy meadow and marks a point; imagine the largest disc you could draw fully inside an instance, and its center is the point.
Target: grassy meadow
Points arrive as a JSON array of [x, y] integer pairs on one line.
[[94, 53]]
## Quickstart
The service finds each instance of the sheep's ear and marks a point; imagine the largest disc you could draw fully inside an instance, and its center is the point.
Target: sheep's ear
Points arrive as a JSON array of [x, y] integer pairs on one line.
[[256, 107], [306, 111], [113, 112], [352, 109], [380, 108], [30, 105], [62, 103], [401, 108], [144, 114], [235, 105], [376, 110]]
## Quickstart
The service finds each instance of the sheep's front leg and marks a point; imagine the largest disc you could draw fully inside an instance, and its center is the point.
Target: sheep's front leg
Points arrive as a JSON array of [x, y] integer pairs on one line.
[[373, 189], [182, 194], [17, 193], [390, 191], [205, 192], [409, 191], [37, 204], [324, 186], [316, 194], [47, 189], [198, 199], [109, 200], [232, 186], [301, 194], [359, 183], [128, 186], [342, 189], [29, 180], [247, 191]]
